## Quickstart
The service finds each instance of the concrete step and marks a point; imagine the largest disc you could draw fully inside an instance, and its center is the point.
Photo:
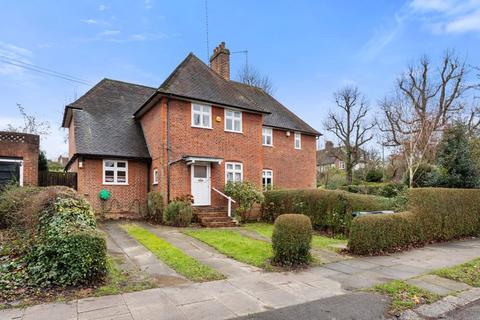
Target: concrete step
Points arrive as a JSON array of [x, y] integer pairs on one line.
[[224, 224]]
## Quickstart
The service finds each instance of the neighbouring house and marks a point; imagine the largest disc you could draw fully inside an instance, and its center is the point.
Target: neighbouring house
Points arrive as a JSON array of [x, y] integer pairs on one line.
[[190, 136], [331, 157], [62, 160], [19, 158]]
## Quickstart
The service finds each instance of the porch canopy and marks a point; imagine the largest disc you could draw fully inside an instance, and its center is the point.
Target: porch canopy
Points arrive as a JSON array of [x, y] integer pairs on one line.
[[199, 159]]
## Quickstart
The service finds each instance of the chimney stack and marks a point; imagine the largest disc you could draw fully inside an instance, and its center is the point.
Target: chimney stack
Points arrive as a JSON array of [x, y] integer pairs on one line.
[[220, 61], [328, 145]]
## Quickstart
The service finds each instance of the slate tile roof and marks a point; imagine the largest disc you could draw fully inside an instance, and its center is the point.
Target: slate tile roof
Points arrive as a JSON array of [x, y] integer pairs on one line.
[[104, 116]]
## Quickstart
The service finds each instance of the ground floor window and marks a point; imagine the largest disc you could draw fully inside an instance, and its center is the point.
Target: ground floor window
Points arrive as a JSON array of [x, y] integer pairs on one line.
[[233, 172], [267, 179], [155, 176], [115, 172]]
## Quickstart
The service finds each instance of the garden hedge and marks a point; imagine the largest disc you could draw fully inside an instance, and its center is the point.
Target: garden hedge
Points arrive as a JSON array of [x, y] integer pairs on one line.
[[291, 240], [328, 210], [435, 214]]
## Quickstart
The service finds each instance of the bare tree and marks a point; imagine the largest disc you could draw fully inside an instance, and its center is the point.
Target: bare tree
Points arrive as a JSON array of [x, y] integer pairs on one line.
[[426, 99], [251, 76], [350, 125], [30, 124]]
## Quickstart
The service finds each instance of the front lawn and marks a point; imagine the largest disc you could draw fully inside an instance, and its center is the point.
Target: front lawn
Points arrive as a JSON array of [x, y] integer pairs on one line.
[[468, 273], [405, 296], [318, 241], [172, 256], [236, 246]]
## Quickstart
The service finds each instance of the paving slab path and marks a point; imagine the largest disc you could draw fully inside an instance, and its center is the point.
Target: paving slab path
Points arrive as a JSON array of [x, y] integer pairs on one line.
[[253, 292]]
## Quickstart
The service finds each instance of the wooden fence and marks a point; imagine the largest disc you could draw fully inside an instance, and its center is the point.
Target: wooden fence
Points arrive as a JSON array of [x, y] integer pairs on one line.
[[47, 178]]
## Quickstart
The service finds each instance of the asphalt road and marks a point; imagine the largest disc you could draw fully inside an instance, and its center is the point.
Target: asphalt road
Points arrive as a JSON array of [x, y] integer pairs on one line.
[[470, 312], [355, 306]]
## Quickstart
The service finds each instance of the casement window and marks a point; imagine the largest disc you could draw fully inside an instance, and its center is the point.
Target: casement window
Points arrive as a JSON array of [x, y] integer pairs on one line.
[[298, 140], [233, 172], [201, 116], [155, 176], [115, 172], [267, 179], [341, 165], [267, 136], [233, 120]]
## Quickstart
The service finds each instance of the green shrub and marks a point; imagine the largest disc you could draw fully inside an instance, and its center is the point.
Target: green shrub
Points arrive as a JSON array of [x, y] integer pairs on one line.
[[374, 175], [291, 240], [328, 210], [155, 206], [424, 176], [68, 250], [435, 215], [178, 214], [391, 190], [246, 194]]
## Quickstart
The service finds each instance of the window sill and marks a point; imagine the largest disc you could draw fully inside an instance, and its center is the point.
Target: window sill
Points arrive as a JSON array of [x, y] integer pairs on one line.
[[200, 127], [232, 131], [268, 145], [155, 183], [114, 184]]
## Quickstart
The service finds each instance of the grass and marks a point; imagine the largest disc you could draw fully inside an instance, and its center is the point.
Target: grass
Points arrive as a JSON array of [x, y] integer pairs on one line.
[[234, 245], [172, 256], [468, 273], [320, 242], [405, 296]]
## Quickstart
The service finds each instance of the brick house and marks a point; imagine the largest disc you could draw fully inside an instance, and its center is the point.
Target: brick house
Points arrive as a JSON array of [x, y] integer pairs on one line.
[[332, 157], [190, 136], [19, 158]]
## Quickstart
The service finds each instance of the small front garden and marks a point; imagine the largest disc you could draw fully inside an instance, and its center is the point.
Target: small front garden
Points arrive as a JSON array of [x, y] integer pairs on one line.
[[468, 273]]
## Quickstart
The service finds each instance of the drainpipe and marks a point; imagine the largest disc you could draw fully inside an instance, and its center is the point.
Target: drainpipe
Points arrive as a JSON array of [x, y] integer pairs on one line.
[[168, 150]]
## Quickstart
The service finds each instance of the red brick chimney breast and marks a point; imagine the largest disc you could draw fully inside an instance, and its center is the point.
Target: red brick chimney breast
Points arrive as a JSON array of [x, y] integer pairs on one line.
[[220, 61]]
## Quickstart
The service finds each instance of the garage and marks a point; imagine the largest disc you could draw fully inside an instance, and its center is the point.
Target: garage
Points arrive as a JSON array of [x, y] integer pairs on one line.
[[11, 170]]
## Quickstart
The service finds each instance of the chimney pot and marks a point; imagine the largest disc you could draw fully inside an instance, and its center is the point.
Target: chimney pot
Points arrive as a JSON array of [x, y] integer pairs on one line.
[[220, 61]]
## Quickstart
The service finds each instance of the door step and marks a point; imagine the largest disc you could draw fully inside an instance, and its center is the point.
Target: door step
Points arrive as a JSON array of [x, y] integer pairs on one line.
[[215, 219]]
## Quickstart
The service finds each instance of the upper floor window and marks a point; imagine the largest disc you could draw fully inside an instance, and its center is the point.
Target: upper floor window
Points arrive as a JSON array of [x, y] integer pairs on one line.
[[155, 176], [298, 140], [201, 116], [341, 165], [233, 172], [267, 136], [233, 120], [267, 179], [115, 172]]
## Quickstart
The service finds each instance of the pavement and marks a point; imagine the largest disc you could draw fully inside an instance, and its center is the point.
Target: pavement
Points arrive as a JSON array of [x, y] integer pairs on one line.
[[247, 290], [469, 312]]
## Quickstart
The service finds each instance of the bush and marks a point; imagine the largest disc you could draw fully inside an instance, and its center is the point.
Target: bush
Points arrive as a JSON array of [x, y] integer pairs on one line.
[[328, 210], [435, 215], [155, 206], [291, 240], [391, 190], [374, 175], [178, 214], [68, 250], [424, 176], [246, 195]]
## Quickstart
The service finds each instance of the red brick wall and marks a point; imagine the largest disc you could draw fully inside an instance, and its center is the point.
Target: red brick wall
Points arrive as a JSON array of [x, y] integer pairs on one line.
[[292, 168], [23, 146], [125, 198]]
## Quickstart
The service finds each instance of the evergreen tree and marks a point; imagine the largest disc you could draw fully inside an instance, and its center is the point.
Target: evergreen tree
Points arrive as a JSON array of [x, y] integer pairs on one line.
[[457, 168], [42, 162]]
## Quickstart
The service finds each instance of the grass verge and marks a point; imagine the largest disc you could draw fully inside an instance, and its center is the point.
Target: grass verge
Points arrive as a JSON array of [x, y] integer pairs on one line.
[[172, 256], [234, 245], [319, 242], [468, 273], [405, 296]]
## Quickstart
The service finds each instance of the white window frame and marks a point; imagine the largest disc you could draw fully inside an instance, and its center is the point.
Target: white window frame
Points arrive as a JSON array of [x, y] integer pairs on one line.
[[202, 113], [341, 165], [233, 171], [155, 176], [115, 169], [20, 183], [297, 137], [233, 118], [267, 135], [264, 176]]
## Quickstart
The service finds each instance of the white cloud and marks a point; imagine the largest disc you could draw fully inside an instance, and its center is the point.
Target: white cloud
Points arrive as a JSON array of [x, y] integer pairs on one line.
[[10, 55], [90, 21], [109, 33], [466, 23], [102, 7], [147, 4], [435, 5]]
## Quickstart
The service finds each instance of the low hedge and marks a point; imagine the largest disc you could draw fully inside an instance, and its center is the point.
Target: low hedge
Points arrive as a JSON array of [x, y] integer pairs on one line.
[[291, 240], [328, 210], [435, 215], [178, 214]]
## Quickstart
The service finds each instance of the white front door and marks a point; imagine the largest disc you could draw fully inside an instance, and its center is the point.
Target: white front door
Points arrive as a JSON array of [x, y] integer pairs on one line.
[[201, 184]]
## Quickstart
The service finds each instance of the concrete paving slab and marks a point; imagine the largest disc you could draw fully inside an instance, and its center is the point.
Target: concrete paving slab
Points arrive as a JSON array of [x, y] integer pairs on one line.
[[219, 288], [252, 285], [418, 282], [94, 303], [53, 311], [105, 313], [359, 264], [436, 309], [187, 294], [446, 283], [11, 314], [361, 280], [394, 272], [206, 310], [241, 303], [340, 267], [278, 298]]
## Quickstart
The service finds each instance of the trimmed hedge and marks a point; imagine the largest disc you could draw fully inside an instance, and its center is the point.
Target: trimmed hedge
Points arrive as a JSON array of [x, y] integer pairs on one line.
[[435, 215], [328, 210], [291, 240], [178, 214]]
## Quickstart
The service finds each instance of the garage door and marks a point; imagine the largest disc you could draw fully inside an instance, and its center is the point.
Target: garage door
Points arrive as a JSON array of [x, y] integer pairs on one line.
[[9, 171]]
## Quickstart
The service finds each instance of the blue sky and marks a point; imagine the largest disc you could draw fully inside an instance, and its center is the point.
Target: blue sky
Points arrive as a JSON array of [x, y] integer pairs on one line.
[[308, 48]]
